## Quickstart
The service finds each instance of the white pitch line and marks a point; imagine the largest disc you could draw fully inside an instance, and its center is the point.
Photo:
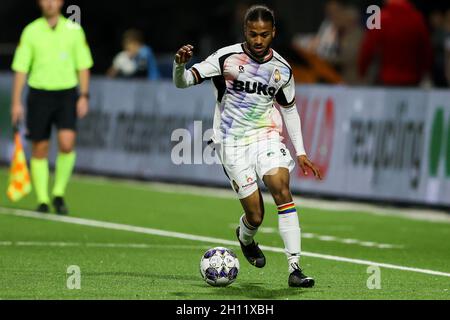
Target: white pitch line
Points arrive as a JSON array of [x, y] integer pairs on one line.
[[40, 244], [333, 239], [185, 236], [97, 245], [430, 215]]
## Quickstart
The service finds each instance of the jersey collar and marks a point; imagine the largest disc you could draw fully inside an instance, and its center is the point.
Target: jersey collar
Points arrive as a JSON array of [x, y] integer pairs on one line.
[[266, 58], [61, 22]]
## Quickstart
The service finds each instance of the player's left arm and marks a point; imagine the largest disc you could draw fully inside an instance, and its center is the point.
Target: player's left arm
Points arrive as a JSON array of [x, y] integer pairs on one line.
[[83, 99], [285, 97], [83, 62]]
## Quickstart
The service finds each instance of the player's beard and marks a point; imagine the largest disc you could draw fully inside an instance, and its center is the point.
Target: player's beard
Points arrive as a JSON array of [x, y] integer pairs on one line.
[[259, 55]]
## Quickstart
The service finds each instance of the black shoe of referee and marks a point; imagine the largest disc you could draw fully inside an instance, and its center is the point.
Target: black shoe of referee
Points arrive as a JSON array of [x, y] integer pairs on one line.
[[252, 252], [298, 279], [43, 208], [60, 206]]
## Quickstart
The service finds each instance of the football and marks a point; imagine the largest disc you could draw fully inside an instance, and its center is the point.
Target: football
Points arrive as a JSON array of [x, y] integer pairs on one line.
[[219, 267]]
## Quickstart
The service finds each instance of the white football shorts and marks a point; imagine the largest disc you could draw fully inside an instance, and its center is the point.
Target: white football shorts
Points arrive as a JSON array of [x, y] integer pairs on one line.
[[244, 164]]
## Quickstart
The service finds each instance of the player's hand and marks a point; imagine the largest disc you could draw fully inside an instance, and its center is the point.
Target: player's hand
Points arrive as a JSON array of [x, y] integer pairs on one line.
[[184, 54], [16, 113], [306, 164], [82, 107]]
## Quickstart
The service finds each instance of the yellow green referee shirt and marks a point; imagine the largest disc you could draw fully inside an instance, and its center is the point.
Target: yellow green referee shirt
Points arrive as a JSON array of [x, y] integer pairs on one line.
[[52, 57]]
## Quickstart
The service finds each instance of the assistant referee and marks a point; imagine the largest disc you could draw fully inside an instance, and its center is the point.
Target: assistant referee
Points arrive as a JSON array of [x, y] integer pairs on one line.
[[55, 56]]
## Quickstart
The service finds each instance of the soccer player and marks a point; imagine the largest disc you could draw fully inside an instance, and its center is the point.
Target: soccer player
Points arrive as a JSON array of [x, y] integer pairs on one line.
[[53, 53], [248, 77]]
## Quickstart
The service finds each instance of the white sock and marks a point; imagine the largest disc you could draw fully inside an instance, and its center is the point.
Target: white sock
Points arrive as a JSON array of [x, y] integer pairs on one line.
[[247, 231], [289, 228]]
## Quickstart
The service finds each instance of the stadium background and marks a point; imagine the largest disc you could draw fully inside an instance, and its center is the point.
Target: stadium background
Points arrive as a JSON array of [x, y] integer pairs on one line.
[[128, 135], [105, 22], [344, 124]]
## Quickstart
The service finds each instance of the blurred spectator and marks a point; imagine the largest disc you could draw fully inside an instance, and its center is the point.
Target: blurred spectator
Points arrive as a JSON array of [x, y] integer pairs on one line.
[[438, 36], [350, 35], [315, 54], [136, 60], [402, 44], [325, 42]]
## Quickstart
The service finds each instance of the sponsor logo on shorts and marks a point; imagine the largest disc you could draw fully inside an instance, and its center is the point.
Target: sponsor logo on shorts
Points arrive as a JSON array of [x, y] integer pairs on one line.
[[249, 184], [250, 181]]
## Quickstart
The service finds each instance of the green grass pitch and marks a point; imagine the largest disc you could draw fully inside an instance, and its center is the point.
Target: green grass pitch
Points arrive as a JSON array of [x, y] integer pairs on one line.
[[118, 264]]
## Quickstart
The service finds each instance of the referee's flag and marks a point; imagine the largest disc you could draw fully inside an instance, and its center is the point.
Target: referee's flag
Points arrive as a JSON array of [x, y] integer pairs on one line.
[[19, 177]]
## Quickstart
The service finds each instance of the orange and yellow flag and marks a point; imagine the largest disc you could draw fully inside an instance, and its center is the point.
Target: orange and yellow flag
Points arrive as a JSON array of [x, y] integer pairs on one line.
[[19, 177]]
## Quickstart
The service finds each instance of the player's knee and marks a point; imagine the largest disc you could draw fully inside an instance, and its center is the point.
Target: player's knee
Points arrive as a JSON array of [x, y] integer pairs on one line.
[[66, 140], [255, 219], [282, 195], [255, 215], [65, 147]]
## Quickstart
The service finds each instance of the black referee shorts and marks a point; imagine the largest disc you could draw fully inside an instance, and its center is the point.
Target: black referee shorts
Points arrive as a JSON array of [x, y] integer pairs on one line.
[[48, 108]]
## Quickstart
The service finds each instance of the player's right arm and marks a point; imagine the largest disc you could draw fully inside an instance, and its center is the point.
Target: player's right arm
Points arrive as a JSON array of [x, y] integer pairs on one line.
[[208, 68], [286, 99], [183, 78], [21, 65], [16, 105]]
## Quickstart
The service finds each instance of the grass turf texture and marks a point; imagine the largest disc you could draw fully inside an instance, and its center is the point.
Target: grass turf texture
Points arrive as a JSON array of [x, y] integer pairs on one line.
[[167, 268]]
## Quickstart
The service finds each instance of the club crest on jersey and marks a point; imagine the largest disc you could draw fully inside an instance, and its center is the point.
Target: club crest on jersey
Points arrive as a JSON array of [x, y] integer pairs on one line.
[[277, 75], [254, 87]]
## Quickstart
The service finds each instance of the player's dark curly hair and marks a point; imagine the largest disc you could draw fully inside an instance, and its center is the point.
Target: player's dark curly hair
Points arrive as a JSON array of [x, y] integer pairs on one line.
[[259, 12]]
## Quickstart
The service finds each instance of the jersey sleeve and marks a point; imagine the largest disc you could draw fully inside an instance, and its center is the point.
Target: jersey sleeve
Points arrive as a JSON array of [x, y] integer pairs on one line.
[[24, 54], [285, 96], [83, 57], [206, 69]]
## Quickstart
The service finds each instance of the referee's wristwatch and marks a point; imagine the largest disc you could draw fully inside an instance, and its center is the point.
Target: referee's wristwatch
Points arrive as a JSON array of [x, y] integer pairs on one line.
[[84, 95]]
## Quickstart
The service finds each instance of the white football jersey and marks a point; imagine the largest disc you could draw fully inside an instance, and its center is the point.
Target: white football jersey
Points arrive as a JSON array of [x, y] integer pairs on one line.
[[245, 93]]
